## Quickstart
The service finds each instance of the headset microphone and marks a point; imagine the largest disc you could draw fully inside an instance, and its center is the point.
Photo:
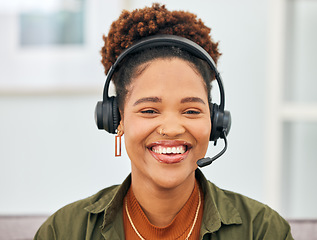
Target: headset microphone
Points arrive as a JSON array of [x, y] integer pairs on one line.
[[207, 161]]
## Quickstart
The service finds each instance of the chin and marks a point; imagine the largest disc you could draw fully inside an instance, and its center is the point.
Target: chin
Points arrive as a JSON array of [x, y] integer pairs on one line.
[[172, 178]]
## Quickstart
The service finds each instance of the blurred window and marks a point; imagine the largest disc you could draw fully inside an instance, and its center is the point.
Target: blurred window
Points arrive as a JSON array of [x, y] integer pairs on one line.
[[301, 52], [62, 24]]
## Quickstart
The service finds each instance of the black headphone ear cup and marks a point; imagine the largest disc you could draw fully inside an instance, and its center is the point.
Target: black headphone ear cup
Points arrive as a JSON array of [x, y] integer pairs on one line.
[[107, 115], [99, 114], [115, 114], [220, 121], [227, 121], [214, 135]]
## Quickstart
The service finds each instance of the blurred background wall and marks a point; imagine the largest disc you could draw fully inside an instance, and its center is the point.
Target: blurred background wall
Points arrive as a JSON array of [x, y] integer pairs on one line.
[[51, 152]]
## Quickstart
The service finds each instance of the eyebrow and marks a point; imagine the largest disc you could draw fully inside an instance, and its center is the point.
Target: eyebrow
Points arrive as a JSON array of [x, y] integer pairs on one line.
[[148, 99], [158, 100], [192, 99]]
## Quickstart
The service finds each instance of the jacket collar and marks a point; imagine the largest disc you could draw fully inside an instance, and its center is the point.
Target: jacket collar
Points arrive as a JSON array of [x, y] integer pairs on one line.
[[111, 201], [218, 208]]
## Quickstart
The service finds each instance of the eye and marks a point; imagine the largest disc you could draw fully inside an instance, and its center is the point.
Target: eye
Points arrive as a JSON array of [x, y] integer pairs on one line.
[[192, 111], [148, 111]]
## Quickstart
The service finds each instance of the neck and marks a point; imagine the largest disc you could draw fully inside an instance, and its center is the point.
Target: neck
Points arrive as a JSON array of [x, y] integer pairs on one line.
[[159, 204]]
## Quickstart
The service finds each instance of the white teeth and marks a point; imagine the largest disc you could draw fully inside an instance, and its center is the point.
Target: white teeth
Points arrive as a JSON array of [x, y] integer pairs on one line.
[[174, 150], [169, 150]]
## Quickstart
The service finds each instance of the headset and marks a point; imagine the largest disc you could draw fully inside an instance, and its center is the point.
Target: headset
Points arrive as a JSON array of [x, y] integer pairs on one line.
[[107, 114]]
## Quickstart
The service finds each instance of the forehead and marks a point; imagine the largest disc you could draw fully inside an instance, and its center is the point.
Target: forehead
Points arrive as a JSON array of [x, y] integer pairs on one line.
[[167, 77]]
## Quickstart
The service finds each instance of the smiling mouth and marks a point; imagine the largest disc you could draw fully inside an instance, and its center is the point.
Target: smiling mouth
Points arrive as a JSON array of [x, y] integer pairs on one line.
[[169, 150]]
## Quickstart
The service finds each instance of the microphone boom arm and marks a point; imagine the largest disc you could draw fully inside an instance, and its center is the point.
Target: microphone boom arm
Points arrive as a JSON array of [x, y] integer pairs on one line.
[[207, 161]]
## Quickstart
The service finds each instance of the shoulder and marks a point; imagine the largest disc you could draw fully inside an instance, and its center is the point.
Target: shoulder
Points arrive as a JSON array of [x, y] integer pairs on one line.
[[264, 222], [247, 207], [73, 218], [86, 205]]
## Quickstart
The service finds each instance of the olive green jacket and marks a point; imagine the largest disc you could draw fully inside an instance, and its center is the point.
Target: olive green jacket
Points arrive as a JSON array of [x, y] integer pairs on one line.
[[227, 215]]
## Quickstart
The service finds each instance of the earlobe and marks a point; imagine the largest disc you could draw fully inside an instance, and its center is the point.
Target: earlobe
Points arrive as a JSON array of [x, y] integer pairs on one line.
[[120, 129]]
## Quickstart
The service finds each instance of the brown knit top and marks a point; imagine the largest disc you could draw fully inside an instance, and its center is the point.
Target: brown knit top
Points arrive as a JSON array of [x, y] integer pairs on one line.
[[179, 228]]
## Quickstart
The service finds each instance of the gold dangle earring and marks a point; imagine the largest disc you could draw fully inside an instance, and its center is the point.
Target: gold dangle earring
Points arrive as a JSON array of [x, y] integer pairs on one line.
[[118, 143]]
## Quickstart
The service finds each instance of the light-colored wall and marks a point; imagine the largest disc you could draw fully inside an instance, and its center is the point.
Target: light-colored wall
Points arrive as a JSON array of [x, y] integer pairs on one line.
[[52, 154]]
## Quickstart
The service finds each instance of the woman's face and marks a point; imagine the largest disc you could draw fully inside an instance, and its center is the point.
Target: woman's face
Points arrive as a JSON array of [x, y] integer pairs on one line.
[[166, 122]]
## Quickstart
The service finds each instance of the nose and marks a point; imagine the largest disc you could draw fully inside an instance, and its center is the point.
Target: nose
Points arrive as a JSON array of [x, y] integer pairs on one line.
[[172, 126]]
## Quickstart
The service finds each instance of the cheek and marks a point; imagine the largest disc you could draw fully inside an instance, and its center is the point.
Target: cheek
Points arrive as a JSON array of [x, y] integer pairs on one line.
[[202, 131], [136, 131]]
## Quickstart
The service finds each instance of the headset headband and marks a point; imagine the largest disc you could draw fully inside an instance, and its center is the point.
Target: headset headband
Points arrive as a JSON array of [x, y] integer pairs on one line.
[[168, 40]]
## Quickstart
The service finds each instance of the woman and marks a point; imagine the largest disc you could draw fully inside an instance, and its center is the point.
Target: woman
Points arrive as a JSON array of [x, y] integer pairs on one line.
[[164, 110]]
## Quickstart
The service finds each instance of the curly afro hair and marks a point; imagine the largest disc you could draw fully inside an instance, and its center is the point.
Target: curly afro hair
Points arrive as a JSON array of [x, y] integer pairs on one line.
[[132, 26]]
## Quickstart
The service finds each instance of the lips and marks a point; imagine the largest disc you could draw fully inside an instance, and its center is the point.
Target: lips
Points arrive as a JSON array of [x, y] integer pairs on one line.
[[169, 151]]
